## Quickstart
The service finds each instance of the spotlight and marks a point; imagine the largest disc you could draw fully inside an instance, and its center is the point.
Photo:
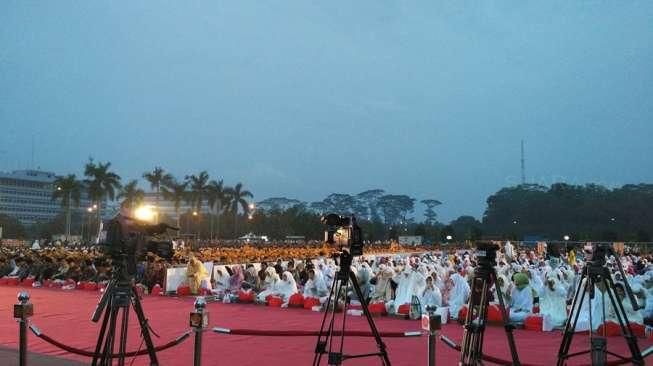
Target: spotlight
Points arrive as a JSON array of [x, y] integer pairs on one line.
[[145, 213]]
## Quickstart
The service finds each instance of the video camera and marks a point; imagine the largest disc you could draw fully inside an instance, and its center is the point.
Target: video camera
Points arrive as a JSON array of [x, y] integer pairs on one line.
[[126, 238], [486, 253], [344, 231]]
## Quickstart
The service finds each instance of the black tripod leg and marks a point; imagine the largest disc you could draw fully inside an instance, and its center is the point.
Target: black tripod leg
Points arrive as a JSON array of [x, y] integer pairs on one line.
[[122, 348], [469, 329], [145, 330], [370, 321], [631, 340], [507, 326], [334, 307], [482, 321], [321, 344], [572, 320], [107, 351], [103, 329]]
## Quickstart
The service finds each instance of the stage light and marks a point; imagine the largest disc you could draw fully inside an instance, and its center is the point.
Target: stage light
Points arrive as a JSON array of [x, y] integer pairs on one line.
[[566, 237], [145, 213], [449, 237]]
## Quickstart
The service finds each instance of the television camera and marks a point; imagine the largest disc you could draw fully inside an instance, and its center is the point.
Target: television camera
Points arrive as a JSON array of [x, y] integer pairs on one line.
[[343, 230]]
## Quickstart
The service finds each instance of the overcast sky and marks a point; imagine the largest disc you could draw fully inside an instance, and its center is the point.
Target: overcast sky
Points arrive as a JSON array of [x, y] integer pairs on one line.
[[305, 98]]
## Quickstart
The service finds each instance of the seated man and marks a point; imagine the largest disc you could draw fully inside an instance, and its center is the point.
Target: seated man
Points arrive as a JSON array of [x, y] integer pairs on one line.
[[521, 298]]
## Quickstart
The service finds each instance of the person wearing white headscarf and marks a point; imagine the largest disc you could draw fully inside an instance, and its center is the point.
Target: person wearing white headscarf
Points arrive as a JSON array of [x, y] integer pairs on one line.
[[583, 323], [458, 295], [221, 281], [404, 287], [382, 288], [315, 286], [553, 301], [286, 288], [431, 295], [271, 282]]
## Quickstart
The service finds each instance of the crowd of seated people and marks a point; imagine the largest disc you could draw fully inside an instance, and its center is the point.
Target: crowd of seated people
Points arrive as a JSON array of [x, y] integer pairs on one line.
[[531, 283]]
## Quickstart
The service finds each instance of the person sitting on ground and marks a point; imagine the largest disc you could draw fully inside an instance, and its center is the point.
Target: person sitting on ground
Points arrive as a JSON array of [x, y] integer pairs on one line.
[[270, 286], [196, 273], [315, 286], [431, 295], [553, 305], [521, 298], [286, 288]]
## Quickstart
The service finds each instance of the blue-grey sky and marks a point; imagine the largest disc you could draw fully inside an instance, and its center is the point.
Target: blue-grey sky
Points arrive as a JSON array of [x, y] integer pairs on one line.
[[305, 98]]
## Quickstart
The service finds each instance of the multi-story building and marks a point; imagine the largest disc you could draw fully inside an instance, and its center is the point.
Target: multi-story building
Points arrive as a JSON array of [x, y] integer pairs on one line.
[[27, 196], [167, 208]]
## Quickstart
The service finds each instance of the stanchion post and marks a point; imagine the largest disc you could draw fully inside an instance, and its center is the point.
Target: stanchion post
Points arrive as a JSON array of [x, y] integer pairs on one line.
[[22, 311], [199, 320], [431, 322]]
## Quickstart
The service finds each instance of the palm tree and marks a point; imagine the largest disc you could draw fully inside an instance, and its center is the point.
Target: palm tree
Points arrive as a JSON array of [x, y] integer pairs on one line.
[[236, 200], [131, 195], [198, 192], [157, 178], [69, 190], [217, 196], [102, 183], [175, 193]]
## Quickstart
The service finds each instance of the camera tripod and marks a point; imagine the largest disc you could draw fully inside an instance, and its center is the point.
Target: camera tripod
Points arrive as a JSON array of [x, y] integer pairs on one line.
[[596, 273], [326, 344], [471, 352], [120, 294]]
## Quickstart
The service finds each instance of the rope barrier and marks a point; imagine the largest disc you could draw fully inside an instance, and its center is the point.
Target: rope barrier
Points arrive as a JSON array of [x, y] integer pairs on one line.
[[503, 362], [311, 333], [37, 332]]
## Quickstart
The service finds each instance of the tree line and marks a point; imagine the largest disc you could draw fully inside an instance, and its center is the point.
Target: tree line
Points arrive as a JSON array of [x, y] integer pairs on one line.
[[197, 191], [581, 212]]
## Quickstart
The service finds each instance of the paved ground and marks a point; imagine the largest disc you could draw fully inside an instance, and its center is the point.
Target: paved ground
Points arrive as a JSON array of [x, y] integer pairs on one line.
[[9, 357]]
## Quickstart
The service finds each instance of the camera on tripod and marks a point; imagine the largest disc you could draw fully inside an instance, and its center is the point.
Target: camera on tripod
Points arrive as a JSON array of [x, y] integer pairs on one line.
[[127, 239], [344, 231], [486, 253]]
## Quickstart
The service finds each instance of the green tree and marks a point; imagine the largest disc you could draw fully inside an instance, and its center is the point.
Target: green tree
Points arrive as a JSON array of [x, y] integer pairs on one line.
[[157, 178], [11, 227], [237, 199], [102, 183], [176, 193], [131, 195], [217, 198], [197, 194], [430, 214], [68, 191]]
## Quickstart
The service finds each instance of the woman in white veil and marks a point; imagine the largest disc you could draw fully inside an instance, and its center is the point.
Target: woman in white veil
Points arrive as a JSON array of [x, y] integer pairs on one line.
[[286, 287], [458, 295]]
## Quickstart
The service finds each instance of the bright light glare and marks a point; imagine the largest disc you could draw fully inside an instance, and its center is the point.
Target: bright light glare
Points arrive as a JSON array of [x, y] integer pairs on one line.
[[144, 213], [449, 237]]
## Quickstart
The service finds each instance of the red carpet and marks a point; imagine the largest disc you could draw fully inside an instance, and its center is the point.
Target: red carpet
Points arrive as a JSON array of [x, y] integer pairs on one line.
[[65, 316]]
